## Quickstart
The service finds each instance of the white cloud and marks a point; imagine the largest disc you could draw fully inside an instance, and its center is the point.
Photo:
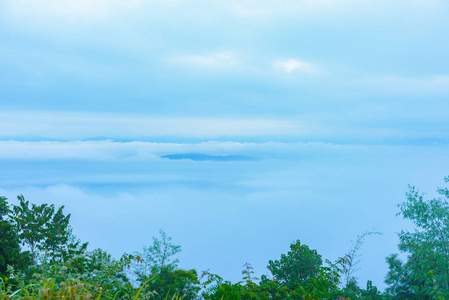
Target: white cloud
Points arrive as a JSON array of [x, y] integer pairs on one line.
[[212, 60], [295, 65], [138, 152], [71, 126], [65, 126], [98, 150]]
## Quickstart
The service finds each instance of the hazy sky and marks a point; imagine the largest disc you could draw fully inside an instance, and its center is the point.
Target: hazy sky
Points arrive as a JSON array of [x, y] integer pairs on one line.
[[330, 108]]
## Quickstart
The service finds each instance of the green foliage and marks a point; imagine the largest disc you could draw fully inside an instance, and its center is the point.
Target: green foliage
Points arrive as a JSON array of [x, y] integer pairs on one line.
[[297, 275], [353, 291], [170, 283], [96, 267], [158, 259], [47, 290], [372, 292], [4, 208], [158, 256], [325, 283], [297, 267], [71, 288], [425, 273], [216, 288], [58, 265], [41, 228], [91, 275], [10, 252]]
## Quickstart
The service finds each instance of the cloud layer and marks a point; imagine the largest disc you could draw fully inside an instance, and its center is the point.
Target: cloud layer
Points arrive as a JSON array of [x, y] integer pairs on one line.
[[66, 125]]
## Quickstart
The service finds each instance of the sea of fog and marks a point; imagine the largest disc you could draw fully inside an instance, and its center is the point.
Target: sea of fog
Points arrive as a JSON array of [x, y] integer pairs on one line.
[[227, 203]]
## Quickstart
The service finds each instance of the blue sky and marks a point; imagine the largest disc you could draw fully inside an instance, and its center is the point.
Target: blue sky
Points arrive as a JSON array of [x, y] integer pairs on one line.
[[340, 103]]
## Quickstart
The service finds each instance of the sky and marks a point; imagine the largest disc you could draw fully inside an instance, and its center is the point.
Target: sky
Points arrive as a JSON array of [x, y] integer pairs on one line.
[[237, 127]]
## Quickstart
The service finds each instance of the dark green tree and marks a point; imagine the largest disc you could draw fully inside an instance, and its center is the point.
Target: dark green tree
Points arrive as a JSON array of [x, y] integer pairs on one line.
[[172, 283], [218, 289], [10, 252], [297, 267], [41, 228], [425, 272], [353, 291]]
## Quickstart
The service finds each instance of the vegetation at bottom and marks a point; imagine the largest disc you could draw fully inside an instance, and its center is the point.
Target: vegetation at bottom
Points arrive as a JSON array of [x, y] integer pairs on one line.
[[40, 258]]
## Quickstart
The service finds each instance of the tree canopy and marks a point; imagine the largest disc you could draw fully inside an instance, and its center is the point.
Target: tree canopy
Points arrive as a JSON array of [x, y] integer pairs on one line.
[[425, 272]]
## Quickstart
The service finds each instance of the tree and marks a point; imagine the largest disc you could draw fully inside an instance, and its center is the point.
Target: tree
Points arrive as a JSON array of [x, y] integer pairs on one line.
[[41, 228], [170, 281], [353, 291], [299, 274], [297, 267], [173, 283], [425, 272], [157, 257], [10, 252], [218, 289]]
